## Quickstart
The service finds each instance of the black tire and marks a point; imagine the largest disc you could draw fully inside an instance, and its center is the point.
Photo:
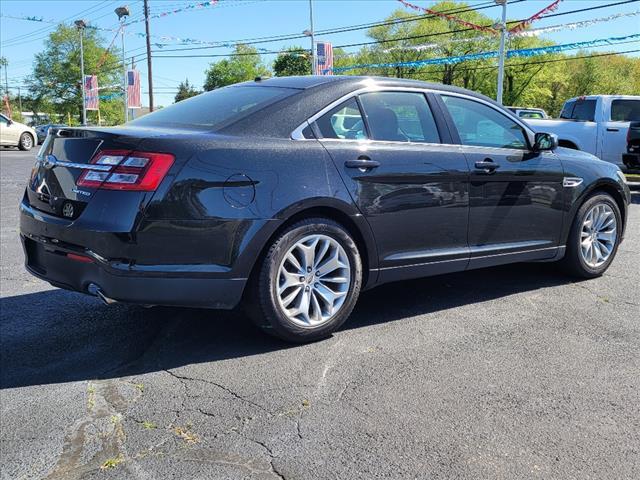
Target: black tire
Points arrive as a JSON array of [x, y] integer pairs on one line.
[[262, 303], [26, 142], [573, 261]]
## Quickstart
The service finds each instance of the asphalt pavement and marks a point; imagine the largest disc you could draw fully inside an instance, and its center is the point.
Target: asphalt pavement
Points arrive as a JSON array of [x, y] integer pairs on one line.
[[511, 372]]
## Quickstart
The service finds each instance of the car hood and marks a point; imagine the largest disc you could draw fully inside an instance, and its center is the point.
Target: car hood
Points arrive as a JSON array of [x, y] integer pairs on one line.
[[573, 154]]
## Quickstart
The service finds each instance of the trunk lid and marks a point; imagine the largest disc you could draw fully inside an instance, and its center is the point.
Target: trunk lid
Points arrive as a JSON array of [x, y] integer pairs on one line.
[[64, 156]]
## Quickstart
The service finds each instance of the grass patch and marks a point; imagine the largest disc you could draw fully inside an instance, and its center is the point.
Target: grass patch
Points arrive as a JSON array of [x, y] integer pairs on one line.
[[111, 463], [187, 435], [149, 425]]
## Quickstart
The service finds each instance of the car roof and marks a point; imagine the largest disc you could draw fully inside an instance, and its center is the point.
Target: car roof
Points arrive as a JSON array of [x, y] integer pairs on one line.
[[333, 81]]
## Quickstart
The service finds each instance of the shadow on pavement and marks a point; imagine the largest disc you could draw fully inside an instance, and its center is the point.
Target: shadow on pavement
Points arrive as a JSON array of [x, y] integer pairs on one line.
[[58, 336]]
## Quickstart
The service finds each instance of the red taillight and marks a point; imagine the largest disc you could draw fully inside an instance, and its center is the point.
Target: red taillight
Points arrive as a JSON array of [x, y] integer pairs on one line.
[[127, 170]]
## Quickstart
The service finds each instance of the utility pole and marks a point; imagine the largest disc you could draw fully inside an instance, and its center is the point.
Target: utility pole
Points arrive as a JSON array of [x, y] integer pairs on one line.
[[149, 74], [80, 25], [313, 42], [4, 63], [503, 35], [122, 13]]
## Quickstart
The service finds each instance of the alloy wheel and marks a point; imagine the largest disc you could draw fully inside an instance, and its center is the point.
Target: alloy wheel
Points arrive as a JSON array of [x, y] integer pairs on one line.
[[313, 280], [27, 142], [598, 235]]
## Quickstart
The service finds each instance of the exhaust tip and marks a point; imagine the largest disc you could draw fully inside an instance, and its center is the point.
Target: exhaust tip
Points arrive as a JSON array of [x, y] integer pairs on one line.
[[95, 290]]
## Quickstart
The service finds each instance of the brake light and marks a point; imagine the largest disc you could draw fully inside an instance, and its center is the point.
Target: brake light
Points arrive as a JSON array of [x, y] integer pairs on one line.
[[127, 170]]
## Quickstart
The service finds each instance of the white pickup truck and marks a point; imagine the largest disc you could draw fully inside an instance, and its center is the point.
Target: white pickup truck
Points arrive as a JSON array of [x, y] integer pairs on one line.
[[597, 124]]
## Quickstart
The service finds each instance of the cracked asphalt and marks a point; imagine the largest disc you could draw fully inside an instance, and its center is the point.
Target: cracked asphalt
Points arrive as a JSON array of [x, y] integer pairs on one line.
[[511, 372]]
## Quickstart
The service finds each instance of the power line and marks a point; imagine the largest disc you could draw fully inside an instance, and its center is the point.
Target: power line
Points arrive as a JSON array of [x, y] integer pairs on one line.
[[336, 30], [19, 40]]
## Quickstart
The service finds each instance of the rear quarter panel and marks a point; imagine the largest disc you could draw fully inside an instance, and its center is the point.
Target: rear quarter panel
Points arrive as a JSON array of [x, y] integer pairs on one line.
[[232, 195]]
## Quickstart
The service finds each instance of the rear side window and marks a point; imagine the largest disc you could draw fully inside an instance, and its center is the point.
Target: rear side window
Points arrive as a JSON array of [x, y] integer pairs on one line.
[[580, 110], [484, 126], [216, 108], [625, 111], [343, 122], [399, 117]]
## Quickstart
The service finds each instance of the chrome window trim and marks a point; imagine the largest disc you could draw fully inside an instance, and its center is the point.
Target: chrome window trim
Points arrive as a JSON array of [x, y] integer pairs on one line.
[[297, 133]]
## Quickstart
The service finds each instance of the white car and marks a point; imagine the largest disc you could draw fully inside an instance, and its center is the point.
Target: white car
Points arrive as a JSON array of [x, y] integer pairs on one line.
[[597, 124], [16, 134]]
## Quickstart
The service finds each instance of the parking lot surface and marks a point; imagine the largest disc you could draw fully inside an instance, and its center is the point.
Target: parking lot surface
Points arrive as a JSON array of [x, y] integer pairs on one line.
[[510, 372]]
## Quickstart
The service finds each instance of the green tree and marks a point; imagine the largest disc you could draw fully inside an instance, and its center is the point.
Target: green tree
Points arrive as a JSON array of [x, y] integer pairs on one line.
[[186, 90], [56, 74], [294, 62], [245, 64]]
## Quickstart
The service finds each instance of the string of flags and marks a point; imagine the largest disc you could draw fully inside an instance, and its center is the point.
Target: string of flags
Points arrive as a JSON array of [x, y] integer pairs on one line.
[[526, 52], [193, 6], [446, 16], [522, 33], [491, 29]]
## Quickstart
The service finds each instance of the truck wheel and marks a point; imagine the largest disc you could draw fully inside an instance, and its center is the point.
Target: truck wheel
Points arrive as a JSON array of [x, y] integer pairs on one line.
[[594, 237], [26, 141]]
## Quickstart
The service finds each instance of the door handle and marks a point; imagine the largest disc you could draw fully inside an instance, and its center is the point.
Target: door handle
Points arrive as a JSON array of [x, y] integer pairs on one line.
[[487, 165], [612, 129], [362, 162]]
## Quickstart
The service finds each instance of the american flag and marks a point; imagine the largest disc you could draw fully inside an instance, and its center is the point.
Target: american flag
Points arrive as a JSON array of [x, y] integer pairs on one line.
[[91, 95], [324, 58], [133, 89]]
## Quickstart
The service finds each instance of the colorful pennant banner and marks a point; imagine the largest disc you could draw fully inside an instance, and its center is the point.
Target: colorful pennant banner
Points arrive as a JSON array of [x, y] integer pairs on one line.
[[448, 17], [527, 52], [536, 16]]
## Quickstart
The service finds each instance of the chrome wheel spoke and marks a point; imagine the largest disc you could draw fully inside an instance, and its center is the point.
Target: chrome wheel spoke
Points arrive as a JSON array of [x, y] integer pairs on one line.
[[288, 280], [313, 280], [608, 236], [286, 301]]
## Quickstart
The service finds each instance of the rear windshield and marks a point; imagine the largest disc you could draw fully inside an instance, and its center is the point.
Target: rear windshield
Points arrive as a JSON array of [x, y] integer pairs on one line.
[[216, 108], [625, 110], [581, 110]]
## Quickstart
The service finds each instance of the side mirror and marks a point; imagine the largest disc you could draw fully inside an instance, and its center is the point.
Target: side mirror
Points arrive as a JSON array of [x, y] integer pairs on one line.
[[545, 141], [9, 122]]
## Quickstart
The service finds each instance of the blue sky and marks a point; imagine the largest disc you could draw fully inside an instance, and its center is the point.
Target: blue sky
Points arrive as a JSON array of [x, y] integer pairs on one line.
[[239, 19]]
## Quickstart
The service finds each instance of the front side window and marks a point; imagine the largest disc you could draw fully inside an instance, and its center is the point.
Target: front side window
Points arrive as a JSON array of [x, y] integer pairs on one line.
[[483, 126], [625, 111], [399, 117], [4, 120], [344, 122]]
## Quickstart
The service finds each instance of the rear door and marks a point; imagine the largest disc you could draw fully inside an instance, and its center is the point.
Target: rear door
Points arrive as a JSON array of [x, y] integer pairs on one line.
[[516, 194], [619, 113], [405, 177]]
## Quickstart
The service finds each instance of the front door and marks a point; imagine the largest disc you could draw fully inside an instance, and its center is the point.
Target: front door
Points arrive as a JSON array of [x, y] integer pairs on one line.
[[516, 194], [411, 187], [614, 130]]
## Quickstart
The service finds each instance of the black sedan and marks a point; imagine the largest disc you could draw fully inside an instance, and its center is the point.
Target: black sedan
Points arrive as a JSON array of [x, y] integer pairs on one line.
[[292, 195]]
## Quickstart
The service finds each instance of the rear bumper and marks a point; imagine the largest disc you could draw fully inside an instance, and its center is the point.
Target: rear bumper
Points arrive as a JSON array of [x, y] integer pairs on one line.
[[47, 247], [631, 162]]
